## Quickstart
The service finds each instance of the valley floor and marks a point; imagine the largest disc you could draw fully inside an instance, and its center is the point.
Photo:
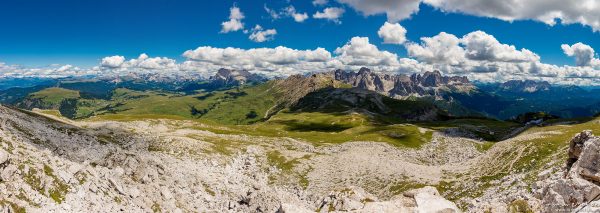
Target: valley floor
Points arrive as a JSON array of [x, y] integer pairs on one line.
[[160, 165]]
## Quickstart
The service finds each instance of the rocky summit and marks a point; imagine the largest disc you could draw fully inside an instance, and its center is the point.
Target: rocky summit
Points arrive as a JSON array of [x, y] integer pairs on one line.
[[403, 86]]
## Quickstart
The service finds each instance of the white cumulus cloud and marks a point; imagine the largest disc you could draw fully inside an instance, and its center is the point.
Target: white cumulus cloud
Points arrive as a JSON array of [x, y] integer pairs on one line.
[[583, 54], [395, 10], [142, 62], [260, 35], [392, 33], [359, 51], [441, 49], [235, 21], [482, 57], [331, 13], [584, 12], [112, 61], [289, 11], [298, 17], [482, 46], [279, 61]]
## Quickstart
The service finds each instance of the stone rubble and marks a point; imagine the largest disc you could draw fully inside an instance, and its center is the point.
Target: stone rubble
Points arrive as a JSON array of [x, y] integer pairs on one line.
[[106, 166], [48, 166]]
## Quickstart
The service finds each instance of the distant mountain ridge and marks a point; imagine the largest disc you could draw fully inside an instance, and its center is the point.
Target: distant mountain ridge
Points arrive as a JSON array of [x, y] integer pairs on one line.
[[227, 77], [525, 86], [456, 96], [403, 86]]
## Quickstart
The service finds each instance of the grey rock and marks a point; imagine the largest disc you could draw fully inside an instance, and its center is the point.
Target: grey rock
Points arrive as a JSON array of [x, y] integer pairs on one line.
[[578, 185], [7, 173], [398, 86], [166, 194], [3, 157], [117, 186]]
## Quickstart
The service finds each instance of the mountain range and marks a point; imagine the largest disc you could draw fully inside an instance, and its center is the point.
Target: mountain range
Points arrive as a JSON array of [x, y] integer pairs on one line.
[[337, 141], [452, 95], [331, 141], [402, 86]]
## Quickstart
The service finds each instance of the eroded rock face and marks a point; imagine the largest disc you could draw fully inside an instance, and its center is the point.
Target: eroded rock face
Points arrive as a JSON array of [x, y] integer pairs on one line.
[[587, 165], [398, 86], [576, 146], [579, 185]]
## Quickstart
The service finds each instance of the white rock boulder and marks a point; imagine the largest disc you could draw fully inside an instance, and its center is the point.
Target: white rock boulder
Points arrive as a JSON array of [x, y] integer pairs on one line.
[[3, 157]]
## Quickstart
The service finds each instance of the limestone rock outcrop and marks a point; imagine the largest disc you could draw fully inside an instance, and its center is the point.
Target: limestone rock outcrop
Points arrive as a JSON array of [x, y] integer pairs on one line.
[[400, 86], [578, 186]]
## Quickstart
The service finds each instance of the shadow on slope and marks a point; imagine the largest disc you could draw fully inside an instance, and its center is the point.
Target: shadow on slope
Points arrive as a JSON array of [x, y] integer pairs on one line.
[[379, 108]]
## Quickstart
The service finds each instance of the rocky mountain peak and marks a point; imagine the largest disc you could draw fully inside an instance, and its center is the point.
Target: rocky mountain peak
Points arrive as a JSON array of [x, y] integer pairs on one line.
[[436, 79], [227, 74], [431, 79], [364, 71], [400, 86], [234, 77], [525, 86]]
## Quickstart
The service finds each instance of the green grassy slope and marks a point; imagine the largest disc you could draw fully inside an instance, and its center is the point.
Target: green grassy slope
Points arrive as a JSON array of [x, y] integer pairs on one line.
[[327, 128], [374, 118], [236, 106], [49, 98]]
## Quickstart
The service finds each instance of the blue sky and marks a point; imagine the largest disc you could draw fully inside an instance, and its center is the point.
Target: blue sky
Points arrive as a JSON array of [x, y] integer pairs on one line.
[[484, 40], [41, 32]]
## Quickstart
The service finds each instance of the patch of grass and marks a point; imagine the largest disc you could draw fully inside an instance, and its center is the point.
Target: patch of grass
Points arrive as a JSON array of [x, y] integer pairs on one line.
[[207, 189], [59, 189], [486, 129], [303, 178], [15, 208], [10, 147], [327, 128], [367, 200], [51, 112], [484, 146], [276, 159], [156, 208], [154, 148], [22, 196], [222, 146], [81, 177], [32, 179], [519, 206], [400, 187]]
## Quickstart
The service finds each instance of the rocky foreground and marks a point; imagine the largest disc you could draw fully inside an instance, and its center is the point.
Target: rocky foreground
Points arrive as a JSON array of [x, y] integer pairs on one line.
[[170, 166], [47, 166]]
